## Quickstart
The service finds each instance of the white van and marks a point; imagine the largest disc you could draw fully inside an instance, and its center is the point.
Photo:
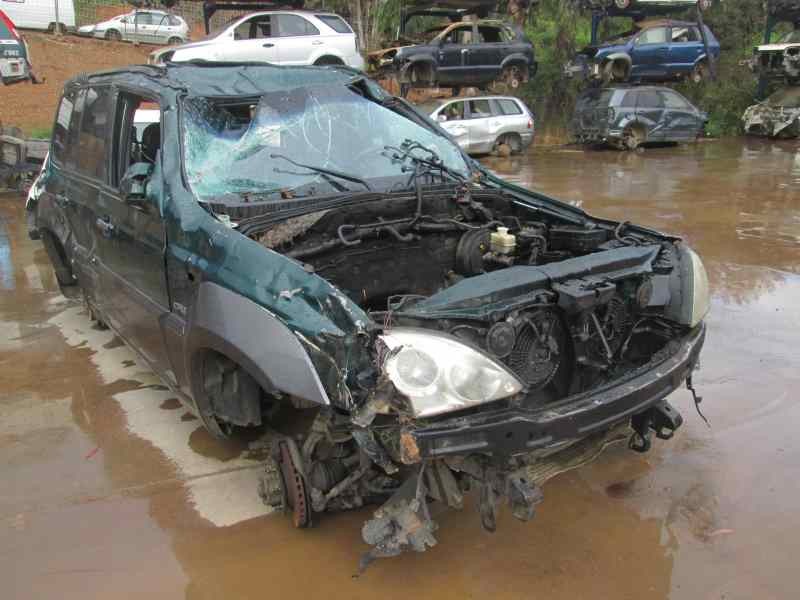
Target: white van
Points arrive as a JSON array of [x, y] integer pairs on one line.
[[40, 14]]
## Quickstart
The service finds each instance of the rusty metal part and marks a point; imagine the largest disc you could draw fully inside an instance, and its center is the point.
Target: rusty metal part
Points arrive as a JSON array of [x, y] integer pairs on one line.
[[270, 486], [442, 484], [409, 451], [402, 523], [294, 484]]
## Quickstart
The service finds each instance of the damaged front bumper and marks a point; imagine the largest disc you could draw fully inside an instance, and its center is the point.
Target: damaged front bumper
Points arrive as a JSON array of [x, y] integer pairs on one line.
[[519, 429]]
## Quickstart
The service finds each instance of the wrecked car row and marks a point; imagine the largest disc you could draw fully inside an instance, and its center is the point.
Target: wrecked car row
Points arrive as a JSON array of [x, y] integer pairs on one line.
[[297, 240]]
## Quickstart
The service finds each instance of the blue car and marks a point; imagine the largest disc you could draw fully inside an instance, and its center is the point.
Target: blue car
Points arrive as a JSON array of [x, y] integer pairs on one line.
[[656, 50]]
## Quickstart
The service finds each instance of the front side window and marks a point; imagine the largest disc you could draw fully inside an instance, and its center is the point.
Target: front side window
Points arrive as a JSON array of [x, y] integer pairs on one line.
[[488, 34], [459, 35], [254, 29], [454, 111], [656, 35], [672, 100], [250, 148], [292, 25]]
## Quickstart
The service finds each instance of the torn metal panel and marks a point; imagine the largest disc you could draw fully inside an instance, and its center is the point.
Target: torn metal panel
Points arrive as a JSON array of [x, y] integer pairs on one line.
[[777, 116]]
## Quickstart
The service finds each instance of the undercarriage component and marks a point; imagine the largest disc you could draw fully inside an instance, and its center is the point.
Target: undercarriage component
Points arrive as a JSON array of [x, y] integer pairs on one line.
[[287, 456], [662, 419], [402, 523]]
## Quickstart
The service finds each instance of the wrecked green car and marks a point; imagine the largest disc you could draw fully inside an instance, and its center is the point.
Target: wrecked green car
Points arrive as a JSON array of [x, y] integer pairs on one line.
[[292, 245]]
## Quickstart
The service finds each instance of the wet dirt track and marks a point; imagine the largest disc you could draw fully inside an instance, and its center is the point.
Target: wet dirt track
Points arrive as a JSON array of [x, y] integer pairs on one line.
[[111, 490]]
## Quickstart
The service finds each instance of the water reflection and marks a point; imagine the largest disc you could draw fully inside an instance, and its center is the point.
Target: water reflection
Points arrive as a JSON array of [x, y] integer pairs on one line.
[[737, 203]]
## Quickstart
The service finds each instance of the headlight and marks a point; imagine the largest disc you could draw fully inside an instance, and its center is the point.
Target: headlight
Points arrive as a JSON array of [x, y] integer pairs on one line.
[[689, 299], [440, 374], [701, 301]]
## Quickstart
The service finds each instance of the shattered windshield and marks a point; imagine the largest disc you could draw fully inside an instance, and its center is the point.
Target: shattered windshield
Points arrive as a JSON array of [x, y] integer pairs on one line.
[[300, 142]]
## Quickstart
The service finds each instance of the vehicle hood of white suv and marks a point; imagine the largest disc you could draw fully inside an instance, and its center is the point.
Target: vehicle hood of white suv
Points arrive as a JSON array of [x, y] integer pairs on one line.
[[100, 26]]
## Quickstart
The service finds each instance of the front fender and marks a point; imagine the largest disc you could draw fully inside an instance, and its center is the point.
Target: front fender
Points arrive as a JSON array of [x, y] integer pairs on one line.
[[624, 56], [254, 338], [515, 58]]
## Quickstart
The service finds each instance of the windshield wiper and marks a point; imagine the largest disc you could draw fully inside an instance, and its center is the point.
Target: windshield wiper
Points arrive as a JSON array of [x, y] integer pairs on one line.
[[433, 162], [324, 171]]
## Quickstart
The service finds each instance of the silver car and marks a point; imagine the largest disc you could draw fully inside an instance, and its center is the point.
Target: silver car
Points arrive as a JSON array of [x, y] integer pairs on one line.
[[145, 26], [483, 124]]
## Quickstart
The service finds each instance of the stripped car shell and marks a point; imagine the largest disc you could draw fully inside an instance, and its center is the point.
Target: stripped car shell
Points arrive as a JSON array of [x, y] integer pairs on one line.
[[443, 328], [778, 116]]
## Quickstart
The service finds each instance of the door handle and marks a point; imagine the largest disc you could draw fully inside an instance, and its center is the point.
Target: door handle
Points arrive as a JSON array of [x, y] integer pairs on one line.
[[267, 45], [105, 227]]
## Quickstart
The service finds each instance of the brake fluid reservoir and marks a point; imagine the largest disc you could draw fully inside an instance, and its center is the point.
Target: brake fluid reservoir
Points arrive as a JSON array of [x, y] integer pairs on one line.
[[502, 242]]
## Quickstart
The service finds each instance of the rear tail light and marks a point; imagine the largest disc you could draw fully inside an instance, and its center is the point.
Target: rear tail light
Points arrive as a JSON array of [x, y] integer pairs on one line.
[[530, 123], [4, 18]]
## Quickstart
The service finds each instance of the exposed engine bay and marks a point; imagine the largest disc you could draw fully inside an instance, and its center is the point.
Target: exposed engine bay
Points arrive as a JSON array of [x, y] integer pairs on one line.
[[560, 307]]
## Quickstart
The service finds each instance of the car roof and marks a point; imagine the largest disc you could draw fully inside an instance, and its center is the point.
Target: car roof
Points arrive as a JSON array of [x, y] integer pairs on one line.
[[646, 24], [436, 103], [221, 80]]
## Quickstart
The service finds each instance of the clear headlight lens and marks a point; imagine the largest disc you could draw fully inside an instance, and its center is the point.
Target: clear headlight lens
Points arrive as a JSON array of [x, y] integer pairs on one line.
[[701, 298], [440, 374]]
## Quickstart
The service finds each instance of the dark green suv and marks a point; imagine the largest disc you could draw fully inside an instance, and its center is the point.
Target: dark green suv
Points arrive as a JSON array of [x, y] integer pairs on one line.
[[274, 239]]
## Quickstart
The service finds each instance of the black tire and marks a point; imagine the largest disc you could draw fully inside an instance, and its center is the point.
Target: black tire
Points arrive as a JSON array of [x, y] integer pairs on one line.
[[622, 4], [512, 140], [56, 28], [328, 61], [112, 35], [174, 41], [513, 77], [615, 71]]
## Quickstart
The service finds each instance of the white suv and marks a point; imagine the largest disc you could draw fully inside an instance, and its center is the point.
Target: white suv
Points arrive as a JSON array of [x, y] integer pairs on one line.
[[278, 37]]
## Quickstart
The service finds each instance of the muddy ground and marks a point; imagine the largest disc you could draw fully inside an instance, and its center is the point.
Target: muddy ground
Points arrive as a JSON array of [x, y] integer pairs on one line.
[[111, 490], [58, 59]]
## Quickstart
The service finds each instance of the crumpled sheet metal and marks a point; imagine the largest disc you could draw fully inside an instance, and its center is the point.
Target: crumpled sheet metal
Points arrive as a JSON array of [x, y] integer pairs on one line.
[[761, 119]]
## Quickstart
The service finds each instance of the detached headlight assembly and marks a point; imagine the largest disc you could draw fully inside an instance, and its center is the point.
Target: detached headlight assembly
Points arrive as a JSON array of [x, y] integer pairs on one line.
[[689, 293], [440, 374]]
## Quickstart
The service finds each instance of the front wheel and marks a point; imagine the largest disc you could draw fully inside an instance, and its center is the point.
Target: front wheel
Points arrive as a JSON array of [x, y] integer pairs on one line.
[[512, 77], [113, 35], [622, 4], [174, 41], [633, 137]]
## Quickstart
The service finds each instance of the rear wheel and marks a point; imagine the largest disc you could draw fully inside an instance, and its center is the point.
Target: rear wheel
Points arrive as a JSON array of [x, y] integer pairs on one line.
[[174, 41], [113, 35], [700, 72], [512, 141], [512, 77]]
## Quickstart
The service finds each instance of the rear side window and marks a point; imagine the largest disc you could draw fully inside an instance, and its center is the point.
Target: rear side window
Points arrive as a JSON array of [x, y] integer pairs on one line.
[[291, 25], [509, 107], [95, 131], [174, 21], [479, 109], [491, 35], [453, 111], [336, 23], [672, 100], [650, 99], [64, 116], [685, 35], [629, 101]]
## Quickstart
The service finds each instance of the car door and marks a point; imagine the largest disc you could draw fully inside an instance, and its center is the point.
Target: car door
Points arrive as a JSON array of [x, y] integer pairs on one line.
[[482, 125], [650, 53], [298, 39], [143, 27], [681, 122], [685, 48], [75, 194], [454, 45], [254, 38], [453, 120], [650, 112], [486, 55], [161, 29], [133, 237]]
